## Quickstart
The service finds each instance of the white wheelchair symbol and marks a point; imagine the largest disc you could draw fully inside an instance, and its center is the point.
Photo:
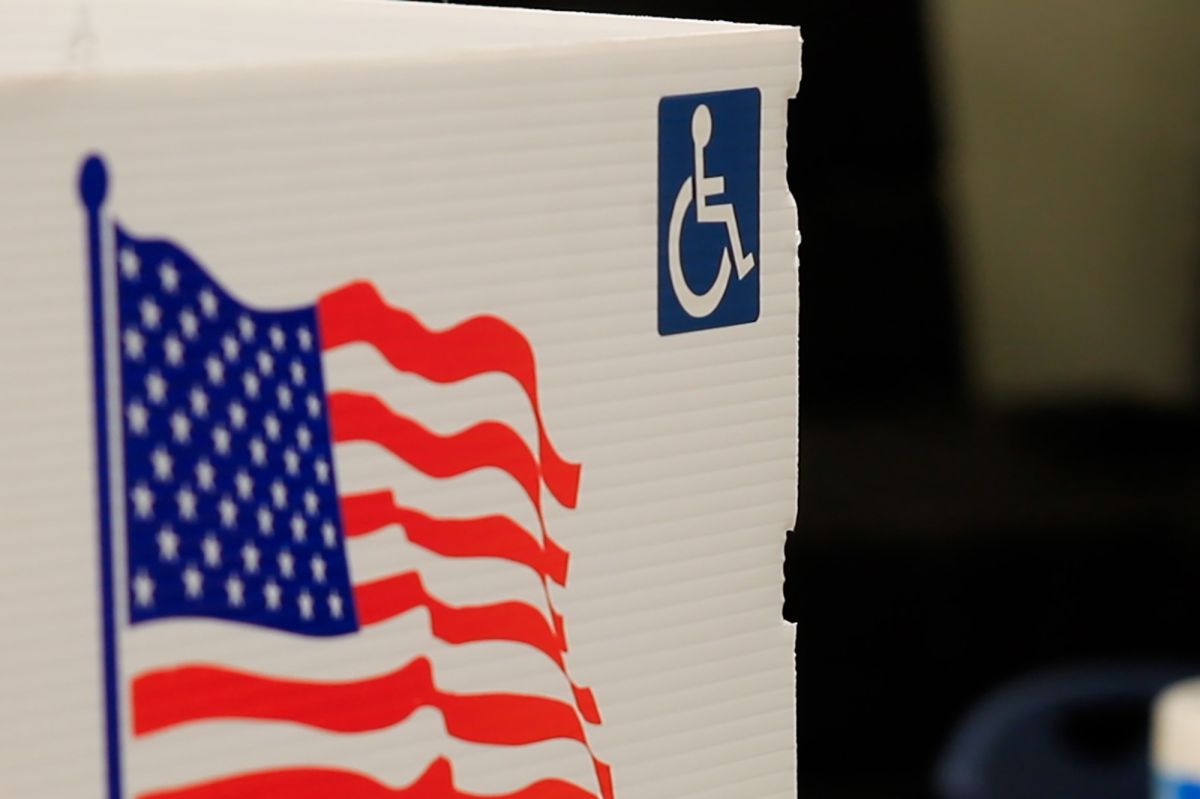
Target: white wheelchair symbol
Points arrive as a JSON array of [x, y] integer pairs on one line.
[[699, 188]]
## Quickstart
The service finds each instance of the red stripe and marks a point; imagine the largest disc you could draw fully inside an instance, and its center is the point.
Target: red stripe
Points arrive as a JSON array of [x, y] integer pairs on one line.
[[357, 313], [170, 697], [585, 700], [505, 621], [166, 698], [320, 783], [482, 537], [365, 417]]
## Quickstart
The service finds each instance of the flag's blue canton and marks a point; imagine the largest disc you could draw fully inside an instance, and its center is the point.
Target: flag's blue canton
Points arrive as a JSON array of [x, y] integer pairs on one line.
[[231, 505]]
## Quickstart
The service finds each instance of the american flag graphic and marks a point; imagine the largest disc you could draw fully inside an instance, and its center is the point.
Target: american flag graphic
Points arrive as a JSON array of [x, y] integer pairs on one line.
[[224, 533]]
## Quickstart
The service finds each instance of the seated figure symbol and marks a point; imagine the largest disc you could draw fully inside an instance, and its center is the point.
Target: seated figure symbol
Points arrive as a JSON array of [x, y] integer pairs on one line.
[[701, 188]]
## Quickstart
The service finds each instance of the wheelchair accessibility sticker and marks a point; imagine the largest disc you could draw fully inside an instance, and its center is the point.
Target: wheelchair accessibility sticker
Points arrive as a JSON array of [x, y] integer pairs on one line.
[[708, 210]]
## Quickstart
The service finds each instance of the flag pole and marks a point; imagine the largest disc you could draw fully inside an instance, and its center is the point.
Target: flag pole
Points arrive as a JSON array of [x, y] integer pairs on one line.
[[93, 188]]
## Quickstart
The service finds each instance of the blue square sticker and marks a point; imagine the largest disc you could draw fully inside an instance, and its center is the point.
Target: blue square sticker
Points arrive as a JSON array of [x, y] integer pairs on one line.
[[708, 210]]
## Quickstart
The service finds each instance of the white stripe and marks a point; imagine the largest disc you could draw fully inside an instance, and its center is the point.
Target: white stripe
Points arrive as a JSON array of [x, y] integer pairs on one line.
[[483, 667], [363, 467], [445, 408], [396, 756], [456, 581], [164, 758]]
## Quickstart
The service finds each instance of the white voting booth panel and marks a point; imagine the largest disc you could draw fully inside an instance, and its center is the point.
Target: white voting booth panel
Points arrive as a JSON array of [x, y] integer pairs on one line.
[[400, 401]]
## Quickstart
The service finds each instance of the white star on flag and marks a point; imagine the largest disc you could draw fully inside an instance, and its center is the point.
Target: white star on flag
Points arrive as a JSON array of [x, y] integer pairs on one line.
[[235, 590], [237, 415], [251, 383], [215, 370], [208, 303], [258, 451], [151, 314], [135, 344], [250, 557], [317, 566], [228, 510], [189, 323], [199, 402], [185, 499], [162, 464], [230, 347], [299, 528], [143, 589], [130, 264], [139, 417], [279, 494], [335, 604], [272, 594], [266, 522], [168, 275], [156, 388], [245, 484], [221, 440], [205, 475], [246, 328], [143, 501], [181, 427], [212, 551], [173, 350], [168, 544], [305, 601], [193, 582]]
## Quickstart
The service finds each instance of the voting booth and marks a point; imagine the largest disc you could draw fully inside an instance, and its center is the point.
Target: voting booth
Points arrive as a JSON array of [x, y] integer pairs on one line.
[[400, 401]]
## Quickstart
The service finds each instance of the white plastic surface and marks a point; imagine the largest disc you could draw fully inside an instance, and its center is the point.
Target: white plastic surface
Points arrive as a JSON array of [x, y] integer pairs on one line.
[[518, 182], [46, 37]]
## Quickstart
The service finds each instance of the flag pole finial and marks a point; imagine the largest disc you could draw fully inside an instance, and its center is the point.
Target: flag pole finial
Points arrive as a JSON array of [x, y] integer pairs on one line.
[[93, 182]]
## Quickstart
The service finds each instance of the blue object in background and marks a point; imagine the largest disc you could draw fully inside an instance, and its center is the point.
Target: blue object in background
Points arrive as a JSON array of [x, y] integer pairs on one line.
[[708, 210], [1168, 788], [1067, 734]]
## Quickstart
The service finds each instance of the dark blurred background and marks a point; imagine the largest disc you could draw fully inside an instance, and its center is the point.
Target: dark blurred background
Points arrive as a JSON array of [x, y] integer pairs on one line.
[[1000, 357]]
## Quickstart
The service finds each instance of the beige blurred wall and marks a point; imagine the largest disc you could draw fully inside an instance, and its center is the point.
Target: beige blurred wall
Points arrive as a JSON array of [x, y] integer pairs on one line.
[[1073, 167]]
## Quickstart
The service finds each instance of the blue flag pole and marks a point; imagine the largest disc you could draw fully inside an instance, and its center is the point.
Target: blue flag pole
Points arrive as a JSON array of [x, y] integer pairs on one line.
[[93, 188]]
